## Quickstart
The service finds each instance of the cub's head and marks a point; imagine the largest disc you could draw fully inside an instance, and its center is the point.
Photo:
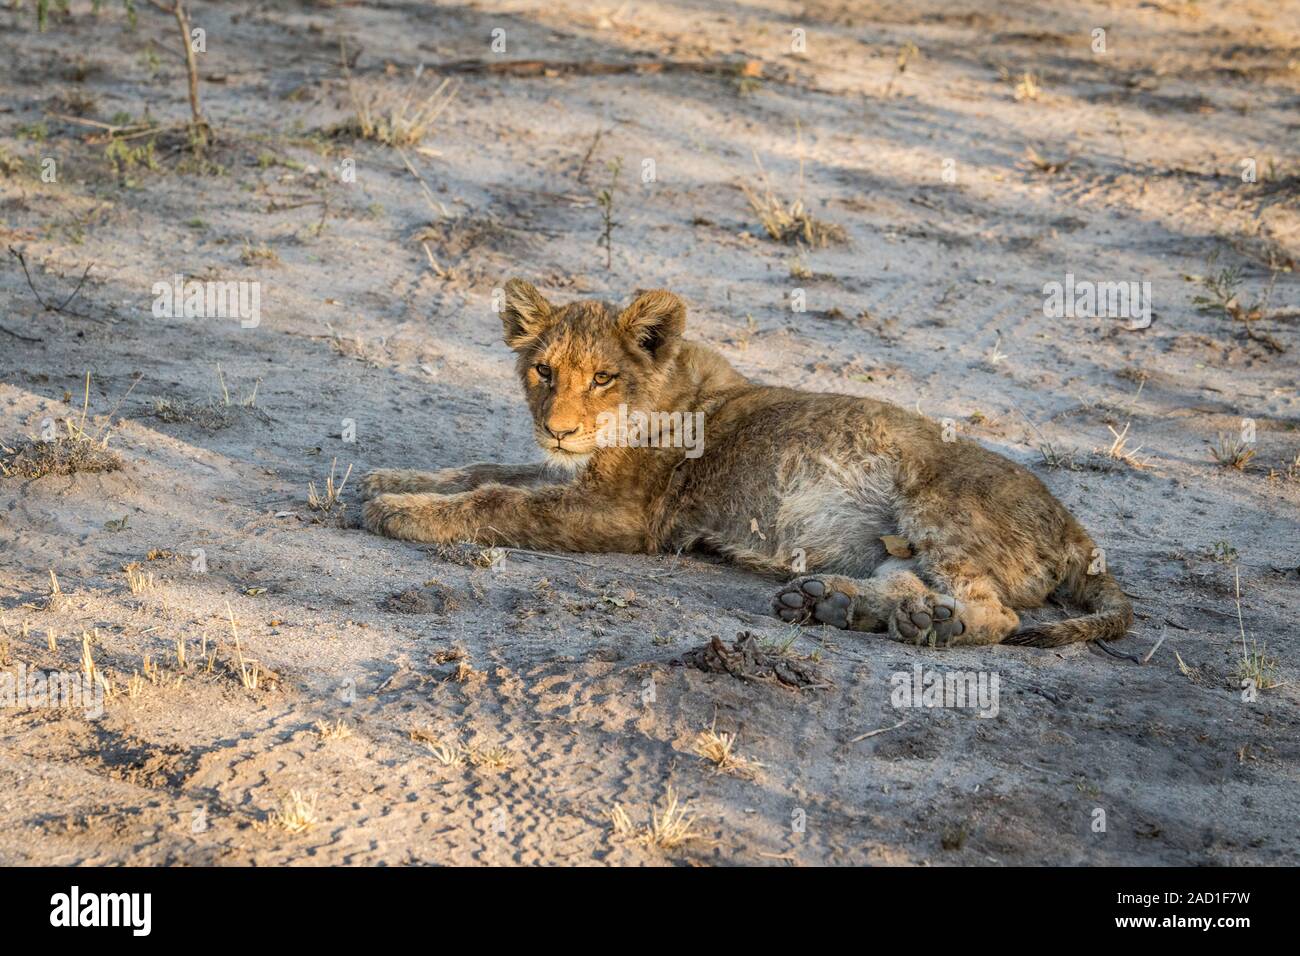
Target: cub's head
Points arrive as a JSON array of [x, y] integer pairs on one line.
[[581, 359]]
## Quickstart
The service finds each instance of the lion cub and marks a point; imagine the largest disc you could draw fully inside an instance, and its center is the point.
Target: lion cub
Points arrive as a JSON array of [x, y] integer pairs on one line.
[[779, 479]]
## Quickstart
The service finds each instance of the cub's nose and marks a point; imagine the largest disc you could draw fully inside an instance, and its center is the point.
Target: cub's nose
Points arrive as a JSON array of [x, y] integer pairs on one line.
[[559, 434]]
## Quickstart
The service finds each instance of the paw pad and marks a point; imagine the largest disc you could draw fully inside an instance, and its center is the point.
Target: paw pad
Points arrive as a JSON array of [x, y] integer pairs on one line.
[[813, 601], [936, 618]]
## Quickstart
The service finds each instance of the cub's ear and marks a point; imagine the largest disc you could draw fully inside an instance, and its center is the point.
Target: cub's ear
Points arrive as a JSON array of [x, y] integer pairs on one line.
[[525, 314], [655, 321]]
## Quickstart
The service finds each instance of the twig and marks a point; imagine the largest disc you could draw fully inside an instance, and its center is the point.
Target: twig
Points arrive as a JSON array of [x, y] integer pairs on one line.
[[594, 68], [199, 126], [109, 420], [1240, 624], [879, 730], [595, 141], [48, 307], [107, 127], [21, 338], [434, 204]]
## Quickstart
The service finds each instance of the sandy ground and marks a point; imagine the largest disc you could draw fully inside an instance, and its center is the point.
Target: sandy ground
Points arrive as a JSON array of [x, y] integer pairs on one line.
[[500, 714]]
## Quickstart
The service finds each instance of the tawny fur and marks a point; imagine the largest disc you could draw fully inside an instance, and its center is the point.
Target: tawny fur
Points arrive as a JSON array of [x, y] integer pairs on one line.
[[787, 481]]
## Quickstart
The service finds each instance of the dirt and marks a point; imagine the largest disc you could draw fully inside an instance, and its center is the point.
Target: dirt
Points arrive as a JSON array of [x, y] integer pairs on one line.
[[377, 346]]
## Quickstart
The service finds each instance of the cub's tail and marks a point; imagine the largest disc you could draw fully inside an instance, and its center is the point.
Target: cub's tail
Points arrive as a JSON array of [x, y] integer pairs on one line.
[[1109, 612]]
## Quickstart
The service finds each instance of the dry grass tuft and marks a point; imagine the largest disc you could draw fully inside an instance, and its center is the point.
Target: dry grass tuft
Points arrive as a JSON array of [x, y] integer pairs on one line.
[[326, 502], [295, 814], [250, 672], [394, 117], [1044, 165], [719, 748], [491, 758], [138, 580], [335, 730], [670, 827], [88, 668], [447, 754], [1026, 87], [1231, 452], [1259, 667], [1255, 664], [71, 452], [789, 221], [1120, 451]]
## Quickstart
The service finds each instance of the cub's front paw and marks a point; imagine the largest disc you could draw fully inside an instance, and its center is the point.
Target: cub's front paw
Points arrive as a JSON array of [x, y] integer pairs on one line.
[[391, 480], [816, 599], [405, 516], [378, 481], [932, 617]]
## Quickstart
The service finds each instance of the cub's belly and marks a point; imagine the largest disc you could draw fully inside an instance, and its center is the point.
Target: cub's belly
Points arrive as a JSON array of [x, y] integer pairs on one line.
[[798, 512]]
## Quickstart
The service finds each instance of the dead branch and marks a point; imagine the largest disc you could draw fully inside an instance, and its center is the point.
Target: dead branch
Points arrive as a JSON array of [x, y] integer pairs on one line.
[[750, 68], [201, 131], [61, 308]]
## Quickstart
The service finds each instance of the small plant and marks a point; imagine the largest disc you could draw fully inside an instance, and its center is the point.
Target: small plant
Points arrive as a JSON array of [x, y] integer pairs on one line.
[[295, 814], [396, 118], [1044, 165], [251, 255], [88, 668], [605, 199], [996, 355], [138, 579], [124, 158], [249, 670], [719, 748], [905, 54], [1120, 451], [1255, 664], [135, 686], [1223, 553], [69, 451], [789, 222], [10, 165], [1231, 452], [327, 501], [491, 758], [669, 827], [1221, 296], [36, 132], [1258, 666], [447, 754], [1026, 87], [1221, 288], [336, 730]]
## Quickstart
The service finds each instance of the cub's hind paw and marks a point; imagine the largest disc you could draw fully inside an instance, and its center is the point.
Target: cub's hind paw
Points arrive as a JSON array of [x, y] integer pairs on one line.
[[933, 617], [814, 600]]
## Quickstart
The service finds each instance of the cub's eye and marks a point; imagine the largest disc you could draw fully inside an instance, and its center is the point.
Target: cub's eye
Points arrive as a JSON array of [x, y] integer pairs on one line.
[[543, 371], [603, 378]]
